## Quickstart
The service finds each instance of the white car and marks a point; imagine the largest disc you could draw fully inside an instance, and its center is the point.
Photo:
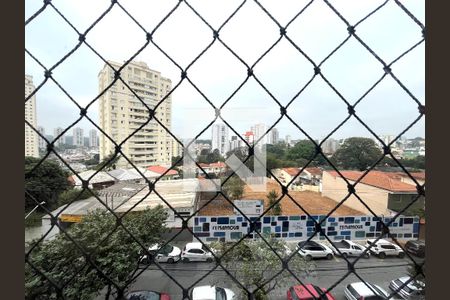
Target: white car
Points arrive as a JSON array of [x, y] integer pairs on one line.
[[168, 254], [312, 249], [361, 290], [383, 248], [196, 252], [210, 292], [348, 248], [415, 289]]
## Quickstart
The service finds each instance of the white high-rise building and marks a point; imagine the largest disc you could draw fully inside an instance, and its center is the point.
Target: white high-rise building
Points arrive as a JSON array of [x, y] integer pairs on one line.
[[61, 140], [78, 137], [42, 142], [273, 136], [31, 137], [93, 139], [330, 146], [219, 138], [288, 139], [259, 130], [121, 113]]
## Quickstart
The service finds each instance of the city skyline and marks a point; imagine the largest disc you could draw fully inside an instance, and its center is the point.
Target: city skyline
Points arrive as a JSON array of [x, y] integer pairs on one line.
[[319, 110]]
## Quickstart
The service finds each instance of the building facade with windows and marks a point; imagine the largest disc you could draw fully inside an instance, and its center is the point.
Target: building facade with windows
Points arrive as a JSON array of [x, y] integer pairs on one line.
[[93, 139], [60, 141], [122, 113], [31, 137], [219, 138], [78, 137]]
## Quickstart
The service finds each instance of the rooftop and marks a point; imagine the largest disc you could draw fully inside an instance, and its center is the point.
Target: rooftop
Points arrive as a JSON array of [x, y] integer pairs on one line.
[[160, 170], [383, 180]]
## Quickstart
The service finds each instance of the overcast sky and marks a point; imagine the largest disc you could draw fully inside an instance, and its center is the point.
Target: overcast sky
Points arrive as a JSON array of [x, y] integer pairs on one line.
[[284, 71]]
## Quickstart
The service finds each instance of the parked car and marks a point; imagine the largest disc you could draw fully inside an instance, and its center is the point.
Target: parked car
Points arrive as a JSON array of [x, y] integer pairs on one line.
[[196, 252], [416, 247], [349, 248], [146, 295], [312, 249], [211, 292], [168, 253], [383, 248], [364, 290], [413, 290], [308, 292]]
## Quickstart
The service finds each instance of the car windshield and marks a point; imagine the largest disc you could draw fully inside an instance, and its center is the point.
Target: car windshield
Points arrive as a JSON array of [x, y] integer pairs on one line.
[[166, 249], [220, 294]]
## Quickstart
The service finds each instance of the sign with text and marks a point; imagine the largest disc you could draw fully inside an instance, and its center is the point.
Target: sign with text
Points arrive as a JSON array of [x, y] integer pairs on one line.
[[249, 207]]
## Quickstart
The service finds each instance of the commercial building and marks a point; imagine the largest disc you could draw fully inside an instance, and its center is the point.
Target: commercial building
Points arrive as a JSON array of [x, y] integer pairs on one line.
[[220, 138], [182, 195], [93, 139], [78, 137], [31, 137], [122, 112]]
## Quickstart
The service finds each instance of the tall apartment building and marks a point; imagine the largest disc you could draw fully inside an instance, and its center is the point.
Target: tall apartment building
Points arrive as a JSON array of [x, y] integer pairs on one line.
[[121, 113], [330, 146], [219, 138], [93, 139], [42, 143], [78, 137], [61, 141], [273, 136], [259, 130], [31, 137]]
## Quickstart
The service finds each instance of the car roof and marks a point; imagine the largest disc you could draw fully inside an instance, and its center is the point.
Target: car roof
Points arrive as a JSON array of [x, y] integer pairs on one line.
[[380, 241], [194, 245], [306, 291], [411, 283], [204, 292], [364, 290]]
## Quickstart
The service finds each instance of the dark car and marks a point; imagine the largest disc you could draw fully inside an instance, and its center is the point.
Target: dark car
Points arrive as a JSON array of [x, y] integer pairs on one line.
[[416, 248], [147, 295]]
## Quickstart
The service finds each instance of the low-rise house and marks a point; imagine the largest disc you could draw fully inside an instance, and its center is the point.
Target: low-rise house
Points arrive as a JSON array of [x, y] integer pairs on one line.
[[97, 180], [160, 170], [309, 176], [385, 193]]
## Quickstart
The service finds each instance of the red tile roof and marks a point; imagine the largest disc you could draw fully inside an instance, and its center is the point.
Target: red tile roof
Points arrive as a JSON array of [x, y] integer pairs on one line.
[[292, 171], [382, 180], [314, 171], [160, 170], [248, 133], [218, 164]]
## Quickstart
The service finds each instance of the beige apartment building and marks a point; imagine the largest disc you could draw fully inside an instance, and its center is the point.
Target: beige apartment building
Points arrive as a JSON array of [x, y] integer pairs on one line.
[[31, 137], [121, 113]]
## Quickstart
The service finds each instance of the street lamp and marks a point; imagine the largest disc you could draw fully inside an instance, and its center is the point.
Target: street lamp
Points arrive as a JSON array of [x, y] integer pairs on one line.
[[43, 202]]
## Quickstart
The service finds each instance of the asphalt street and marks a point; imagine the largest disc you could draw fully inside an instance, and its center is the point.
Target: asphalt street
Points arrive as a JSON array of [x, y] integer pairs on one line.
[[327, 273]]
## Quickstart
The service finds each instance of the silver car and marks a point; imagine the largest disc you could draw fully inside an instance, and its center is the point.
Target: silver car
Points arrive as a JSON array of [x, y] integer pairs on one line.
[[413, 290], [364, 290]]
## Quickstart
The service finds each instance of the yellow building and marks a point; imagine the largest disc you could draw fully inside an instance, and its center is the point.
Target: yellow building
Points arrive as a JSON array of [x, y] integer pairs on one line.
[[121, 113]]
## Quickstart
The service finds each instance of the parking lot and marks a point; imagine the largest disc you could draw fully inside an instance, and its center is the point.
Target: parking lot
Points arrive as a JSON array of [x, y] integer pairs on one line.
[[325, 274]]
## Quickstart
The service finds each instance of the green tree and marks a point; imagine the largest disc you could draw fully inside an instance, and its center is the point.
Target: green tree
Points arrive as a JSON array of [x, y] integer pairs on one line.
[[117, 257], [303, 152], [273, 196], [45, 183], [104, 165], [233, 188], [254, 262], [175, 161], [357, 153]]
